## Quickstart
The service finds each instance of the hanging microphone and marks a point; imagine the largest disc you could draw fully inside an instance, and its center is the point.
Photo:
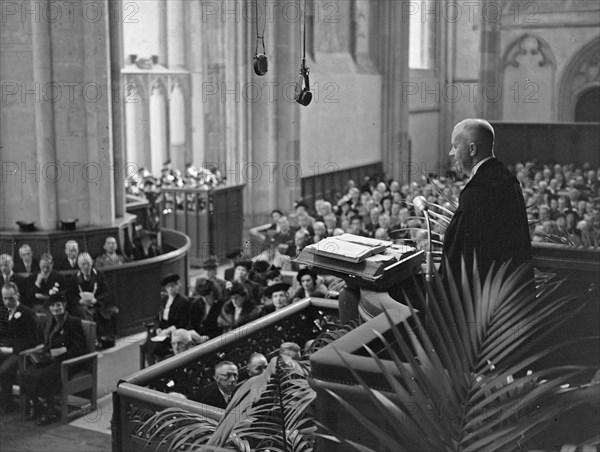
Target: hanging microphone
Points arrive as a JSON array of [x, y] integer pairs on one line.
[[261, 66], [302, 93], [420, 203]]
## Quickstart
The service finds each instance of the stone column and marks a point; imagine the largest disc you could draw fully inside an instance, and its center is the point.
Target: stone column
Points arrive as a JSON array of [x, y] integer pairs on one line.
[[44, 122], [394, 67], [489, 52], [175, 34]]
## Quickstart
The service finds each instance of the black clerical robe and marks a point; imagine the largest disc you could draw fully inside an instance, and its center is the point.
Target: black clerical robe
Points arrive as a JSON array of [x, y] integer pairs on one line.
[[490, 222]]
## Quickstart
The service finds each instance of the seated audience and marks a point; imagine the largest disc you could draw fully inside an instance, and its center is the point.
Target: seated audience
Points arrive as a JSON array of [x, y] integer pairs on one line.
[[271, 254], [242, 271], [234, 256], [257, 363], [26, 263], [181, 340], [7, 274], [44, 282], [110, 257], [69, 260], [146, 248], [308, 285], [89, 298], [18, 332], [209, 272], [173, 313], [238, 309], [206, 308], [276, 297], [273, 276], [219, 394], [258, 272], [63, 339]]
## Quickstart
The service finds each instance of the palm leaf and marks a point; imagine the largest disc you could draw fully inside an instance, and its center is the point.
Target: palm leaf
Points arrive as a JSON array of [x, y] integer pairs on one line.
[[467, 356]]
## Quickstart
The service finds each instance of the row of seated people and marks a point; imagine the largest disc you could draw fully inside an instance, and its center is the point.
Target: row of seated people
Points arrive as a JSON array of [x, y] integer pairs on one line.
[[62, 337], [86, 292], [218, 306], [381, 207], [26, 263], [227, 374]]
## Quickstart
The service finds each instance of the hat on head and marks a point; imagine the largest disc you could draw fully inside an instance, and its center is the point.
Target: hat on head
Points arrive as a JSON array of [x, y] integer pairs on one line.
[[204, 287], [260, 266], [56, 297], [301, 203], [272, 274], [172, 278], [237, 288], [210, 262], [247, 264], [306, 271], [279, 287], [233, 253]]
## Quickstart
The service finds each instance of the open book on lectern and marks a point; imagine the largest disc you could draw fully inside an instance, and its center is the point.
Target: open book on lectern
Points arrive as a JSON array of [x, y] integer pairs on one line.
[[349, 247]]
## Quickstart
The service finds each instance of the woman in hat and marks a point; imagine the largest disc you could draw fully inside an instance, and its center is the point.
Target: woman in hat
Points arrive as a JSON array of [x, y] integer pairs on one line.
[[173, 313], [63, 339], [206, 308], [277, 297], [238, 309], [308, 285]]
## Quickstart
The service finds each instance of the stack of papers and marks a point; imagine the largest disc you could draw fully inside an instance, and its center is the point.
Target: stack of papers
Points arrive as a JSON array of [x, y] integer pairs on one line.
[[349, 247]]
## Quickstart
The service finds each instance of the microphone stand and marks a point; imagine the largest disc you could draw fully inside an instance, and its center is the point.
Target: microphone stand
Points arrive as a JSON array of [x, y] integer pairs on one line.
[[429, 252]]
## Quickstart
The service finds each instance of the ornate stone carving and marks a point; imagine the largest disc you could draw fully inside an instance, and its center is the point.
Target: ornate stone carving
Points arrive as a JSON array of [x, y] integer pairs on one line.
[[528, 45], [586, 73]]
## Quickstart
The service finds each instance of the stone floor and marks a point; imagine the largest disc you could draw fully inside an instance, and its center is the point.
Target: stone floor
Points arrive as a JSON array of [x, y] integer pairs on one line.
[[19, 436]]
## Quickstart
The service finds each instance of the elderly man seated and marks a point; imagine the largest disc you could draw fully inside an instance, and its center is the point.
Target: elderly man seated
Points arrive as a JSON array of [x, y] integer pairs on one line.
[[219, 394]]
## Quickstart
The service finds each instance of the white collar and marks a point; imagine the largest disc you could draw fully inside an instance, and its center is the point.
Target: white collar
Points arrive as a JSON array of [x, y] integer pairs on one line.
[[476, 167]]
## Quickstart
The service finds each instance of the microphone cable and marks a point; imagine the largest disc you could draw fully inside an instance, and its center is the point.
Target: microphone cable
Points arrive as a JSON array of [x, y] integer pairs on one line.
[[260, 61]]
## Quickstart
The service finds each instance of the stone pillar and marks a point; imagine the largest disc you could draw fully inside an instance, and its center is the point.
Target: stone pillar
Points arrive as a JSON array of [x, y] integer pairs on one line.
[[489, 70], [44, 122], [395, 71], [64, 60], [175, 34]]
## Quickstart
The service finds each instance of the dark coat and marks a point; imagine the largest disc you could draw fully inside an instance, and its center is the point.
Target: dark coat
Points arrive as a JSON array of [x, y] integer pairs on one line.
[[179, 313], [54, 279], [203, 324], [21, 332], [211, 396], [227, 317], [45, 381], [20, 266], [229, 272], [63, 264], [490, 222]]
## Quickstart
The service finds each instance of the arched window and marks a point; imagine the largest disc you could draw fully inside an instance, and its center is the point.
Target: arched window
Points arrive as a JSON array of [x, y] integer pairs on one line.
[[587, 107]]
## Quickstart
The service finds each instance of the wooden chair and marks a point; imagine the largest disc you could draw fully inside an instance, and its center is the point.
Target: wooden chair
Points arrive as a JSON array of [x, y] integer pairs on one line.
[[79, 376]]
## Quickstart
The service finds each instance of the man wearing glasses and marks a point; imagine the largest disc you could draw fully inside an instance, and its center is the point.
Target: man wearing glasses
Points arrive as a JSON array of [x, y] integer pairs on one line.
[[219, 395]]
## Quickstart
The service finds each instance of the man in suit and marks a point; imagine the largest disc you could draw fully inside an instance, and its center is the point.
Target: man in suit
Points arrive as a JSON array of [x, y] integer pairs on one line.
[[7, 274], [173, 313], [26, 263], [219, 394], [490, 222], [18, 332], [45, 281], [69, 260]]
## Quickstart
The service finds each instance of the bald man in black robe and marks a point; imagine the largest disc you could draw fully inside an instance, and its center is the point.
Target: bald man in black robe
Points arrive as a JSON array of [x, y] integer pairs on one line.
[[491, 221]]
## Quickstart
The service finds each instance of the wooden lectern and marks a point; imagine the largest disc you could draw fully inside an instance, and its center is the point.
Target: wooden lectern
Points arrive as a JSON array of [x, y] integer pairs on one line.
[[369, 277]]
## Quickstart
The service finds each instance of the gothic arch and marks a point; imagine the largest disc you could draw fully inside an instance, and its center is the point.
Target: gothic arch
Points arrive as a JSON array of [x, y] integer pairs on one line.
[[579, 75], [528, 79]]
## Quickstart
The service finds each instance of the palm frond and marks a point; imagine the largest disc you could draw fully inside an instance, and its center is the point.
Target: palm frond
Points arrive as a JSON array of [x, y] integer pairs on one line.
[[471, 356]]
